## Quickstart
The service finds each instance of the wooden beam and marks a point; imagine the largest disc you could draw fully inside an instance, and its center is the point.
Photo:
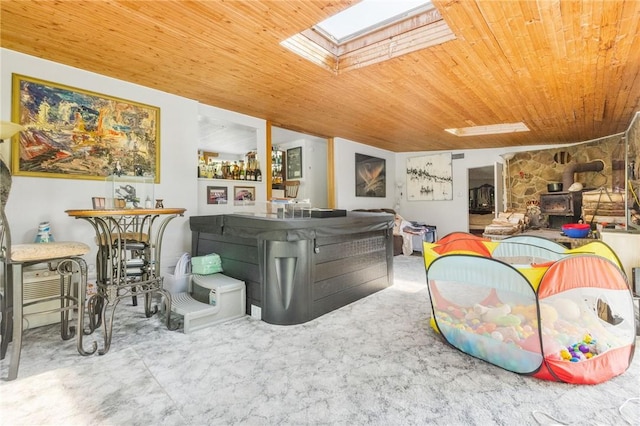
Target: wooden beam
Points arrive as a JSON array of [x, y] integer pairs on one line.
[[331, 180]]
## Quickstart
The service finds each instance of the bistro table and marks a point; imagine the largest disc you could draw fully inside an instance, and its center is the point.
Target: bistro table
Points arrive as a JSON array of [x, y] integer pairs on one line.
[[128, 261]]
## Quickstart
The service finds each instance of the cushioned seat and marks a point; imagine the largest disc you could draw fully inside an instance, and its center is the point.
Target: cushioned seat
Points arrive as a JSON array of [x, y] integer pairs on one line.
[[63, 257], [46, 251]]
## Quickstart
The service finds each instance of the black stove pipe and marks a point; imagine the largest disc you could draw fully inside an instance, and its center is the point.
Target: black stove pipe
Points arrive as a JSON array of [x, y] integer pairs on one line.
[[571, 169]]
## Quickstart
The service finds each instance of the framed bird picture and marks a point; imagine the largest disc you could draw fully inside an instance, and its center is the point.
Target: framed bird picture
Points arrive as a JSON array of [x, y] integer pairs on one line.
[[370, 176]]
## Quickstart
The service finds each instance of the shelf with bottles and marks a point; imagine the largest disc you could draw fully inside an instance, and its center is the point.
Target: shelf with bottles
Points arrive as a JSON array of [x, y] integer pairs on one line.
[[246, 169], [278, 160]]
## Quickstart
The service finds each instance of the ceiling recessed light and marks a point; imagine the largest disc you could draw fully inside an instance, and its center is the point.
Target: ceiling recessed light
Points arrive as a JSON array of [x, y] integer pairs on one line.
[[493, 129]]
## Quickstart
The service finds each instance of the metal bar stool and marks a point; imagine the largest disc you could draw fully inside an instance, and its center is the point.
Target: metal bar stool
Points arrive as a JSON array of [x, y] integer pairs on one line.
[[65, 257]]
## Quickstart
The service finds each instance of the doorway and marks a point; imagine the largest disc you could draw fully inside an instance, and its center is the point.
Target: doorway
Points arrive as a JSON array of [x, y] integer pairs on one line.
[[313, 176], [482, 198]]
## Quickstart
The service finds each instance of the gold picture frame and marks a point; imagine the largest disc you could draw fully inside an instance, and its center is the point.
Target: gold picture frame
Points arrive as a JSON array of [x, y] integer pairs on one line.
[[78, 134]]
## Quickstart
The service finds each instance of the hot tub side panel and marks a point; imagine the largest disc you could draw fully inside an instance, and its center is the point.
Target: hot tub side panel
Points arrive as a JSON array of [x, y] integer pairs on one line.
[[296, 281], [350, 267]]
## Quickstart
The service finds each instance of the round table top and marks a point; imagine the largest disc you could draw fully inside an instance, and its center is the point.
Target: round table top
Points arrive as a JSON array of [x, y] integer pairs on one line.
[[124, 212]]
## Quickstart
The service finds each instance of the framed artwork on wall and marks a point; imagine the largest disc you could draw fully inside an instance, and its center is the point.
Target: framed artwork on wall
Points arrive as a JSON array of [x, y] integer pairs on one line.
[[216, 195], [294, 163], [78, 134], [370, 176], [244, 195], [430, 178]]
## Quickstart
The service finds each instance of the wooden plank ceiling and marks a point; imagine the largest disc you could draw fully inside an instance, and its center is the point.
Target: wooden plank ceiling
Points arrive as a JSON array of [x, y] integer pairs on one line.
[[568, 69]]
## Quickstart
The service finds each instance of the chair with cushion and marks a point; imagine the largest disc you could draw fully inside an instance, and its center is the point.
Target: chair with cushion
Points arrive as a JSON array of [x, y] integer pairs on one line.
[[63, 257], [291, 188]]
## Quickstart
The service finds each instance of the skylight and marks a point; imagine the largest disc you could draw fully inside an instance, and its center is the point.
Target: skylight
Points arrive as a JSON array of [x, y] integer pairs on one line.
[[492, 129], [367, 16], [369, 32]]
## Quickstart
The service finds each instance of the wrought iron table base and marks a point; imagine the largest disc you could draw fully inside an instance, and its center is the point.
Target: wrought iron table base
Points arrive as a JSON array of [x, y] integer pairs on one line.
[[102, 305], [127, 262]]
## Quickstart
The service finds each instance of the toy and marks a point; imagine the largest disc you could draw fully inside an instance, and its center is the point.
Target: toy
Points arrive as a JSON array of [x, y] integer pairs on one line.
[[532, 306], [581, 351], [500, 315]]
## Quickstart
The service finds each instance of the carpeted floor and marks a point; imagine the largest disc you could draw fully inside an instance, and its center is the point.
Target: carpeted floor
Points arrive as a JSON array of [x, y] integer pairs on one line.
[[374, 362]]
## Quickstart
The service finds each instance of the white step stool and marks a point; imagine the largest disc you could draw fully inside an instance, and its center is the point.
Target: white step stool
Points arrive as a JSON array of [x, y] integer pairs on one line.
[[227, 297]]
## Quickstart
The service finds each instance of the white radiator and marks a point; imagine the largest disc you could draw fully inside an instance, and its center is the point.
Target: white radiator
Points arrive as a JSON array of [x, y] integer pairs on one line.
[[39, 284]]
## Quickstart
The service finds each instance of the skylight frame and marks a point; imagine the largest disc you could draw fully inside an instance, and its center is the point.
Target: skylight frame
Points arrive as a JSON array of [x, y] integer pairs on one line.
[[376, 26], [491, 129], [424, 28]]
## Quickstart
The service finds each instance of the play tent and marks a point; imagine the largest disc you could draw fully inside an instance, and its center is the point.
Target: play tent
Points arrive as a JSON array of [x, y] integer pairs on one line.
[[532, 306]]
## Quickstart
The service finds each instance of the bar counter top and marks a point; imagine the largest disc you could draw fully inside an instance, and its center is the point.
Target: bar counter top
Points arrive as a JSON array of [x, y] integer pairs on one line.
[[269, 227]]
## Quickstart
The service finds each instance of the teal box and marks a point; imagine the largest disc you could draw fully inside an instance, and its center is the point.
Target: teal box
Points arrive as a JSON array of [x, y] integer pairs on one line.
[[206, 265]]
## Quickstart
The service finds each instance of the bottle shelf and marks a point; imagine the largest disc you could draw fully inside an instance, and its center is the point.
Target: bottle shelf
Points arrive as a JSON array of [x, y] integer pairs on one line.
[[251, 182]]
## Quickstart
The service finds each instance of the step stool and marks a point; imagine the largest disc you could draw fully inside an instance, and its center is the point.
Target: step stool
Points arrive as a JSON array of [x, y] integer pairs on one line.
[[214, 299]]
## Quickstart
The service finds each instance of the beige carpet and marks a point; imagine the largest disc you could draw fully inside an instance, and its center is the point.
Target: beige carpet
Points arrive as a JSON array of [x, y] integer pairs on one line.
[[374, 362]]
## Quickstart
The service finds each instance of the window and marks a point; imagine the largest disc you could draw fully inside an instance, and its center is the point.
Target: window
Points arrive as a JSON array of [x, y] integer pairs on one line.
[[368, 16]]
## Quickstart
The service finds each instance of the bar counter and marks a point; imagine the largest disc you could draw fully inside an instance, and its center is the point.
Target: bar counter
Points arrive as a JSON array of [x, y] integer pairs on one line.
[[298, 269]]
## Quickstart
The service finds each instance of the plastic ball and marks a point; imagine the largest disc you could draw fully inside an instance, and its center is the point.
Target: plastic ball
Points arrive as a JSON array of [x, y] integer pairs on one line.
[[574, 359], [587, 338], [497, 336], [584, 349]]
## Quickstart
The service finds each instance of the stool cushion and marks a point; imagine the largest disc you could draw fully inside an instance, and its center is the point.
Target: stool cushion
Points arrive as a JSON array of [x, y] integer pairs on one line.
[[47, 251], [134, 236]]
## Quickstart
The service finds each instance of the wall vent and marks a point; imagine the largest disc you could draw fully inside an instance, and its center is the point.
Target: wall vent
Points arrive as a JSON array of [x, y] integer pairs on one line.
[[39, 284]]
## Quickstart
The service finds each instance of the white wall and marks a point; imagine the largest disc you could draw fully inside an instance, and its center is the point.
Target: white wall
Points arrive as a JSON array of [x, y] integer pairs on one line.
[[33, 200], [314, 169], [345, 176]]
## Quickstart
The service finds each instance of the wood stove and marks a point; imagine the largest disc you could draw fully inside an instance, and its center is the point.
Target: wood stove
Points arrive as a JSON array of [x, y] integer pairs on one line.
[[561, 207]]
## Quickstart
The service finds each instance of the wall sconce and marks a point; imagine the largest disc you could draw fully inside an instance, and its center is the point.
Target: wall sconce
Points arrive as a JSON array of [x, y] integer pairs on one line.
[[8, 129]]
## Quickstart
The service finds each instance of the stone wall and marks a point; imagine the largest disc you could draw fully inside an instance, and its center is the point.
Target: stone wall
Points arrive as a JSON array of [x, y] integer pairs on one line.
[[530, 172]]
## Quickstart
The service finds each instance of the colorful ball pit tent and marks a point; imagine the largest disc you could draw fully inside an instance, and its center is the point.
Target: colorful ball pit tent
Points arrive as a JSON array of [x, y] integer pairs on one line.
[[532, 306]]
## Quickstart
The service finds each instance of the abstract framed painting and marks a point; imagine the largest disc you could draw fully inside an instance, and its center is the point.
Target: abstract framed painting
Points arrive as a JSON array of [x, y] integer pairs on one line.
[[430, 178], [78, 134], [370, 176]]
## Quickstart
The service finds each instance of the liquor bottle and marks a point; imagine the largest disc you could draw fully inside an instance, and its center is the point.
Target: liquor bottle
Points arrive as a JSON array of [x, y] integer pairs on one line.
[[242, 172], [236, 171], [201, 172], [257, 172]]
